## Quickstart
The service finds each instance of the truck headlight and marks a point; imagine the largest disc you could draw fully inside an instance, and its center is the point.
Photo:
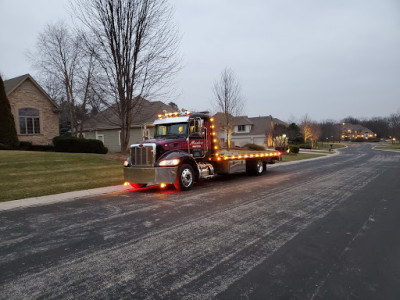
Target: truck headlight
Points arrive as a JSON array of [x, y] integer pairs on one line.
[[127, 162], [169, 162]]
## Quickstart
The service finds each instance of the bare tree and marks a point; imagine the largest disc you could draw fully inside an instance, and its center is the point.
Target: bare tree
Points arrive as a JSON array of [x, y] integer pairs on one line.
[[66, 68], [136, 46], [227, 93]]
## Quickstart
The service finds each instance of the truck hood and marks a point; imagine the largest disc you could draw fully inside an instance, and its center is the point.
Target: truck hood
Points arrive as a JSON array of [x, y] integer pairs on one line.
[[168, 144]]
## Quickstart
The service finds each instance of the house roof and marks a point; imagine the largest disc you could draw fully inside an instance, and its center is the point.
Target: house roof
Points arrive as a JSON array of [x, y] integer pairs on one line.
[[357, 127], [260, 125], [145, 113], [12, 84], [242, 120]]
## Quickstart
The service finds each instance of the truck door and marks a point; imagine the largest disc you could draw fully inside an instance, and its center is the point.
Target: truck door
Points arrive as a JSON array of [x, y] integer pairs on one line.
[[197, 138]]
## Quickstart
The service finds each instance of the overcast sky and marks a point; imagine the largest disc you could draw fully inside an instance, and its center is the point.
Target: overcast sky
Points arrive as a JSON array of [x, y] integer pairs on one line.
[[330, 59]]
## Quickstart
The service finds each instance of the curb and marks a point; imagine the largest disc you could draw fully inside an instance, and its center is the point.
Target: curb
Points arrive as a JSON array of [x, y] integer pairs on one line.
[[337, 152], [387, 150], [50, 199]]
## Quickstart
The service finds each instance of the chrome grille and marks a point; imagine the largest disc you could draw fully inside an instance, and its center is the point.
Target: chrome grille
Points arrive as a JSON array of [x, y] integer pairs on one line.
[[143, 156]]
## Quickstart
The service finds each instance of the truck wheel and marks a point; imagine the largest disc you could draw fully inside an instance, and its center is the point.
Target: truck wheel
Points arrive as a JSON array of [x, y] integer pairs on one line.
[[255, 167], [137, 185], [184, 178]]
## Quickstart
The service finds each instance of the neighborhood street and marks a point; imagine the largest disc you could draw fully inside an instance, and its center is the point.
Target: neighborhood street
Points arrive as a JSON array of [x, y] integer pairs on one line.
[[319, 229]]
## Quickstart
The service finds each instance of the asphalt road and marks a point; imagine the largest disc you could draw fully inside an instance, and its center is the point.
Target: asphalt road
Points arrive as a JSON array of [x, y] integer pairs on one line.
[[321, 229]]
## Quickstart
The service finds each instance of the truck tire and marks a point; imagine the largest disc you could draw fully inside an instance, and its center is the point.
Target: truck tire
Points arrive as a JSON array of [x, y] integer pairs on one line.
[[255, 167], [137, 185], [184, 178]]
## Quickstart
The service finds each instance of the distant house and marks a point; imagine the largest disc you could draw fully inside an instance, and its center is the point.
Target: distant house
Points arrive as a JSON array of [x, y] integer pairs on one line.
[[105, 125], [248, 130], [36, 115], [356, 131]]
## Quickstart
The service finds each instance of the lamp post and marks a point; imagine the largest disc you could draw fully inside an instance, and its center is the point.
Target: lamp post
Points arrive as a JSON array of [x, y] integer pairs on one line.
[[284, 142]]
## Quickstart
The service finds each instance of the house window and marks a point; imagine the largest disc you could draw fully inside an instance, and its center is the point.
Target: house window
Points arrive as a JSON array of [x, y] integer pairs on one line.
[[29, 122], [241, 128]]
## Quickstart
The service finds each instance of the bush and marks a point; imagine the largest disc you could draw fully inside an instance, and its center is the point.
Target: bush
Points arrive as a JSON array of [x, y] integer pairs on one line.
[[254, 147], [77, 145], [8, 133], [46, 148], [25, 146], [5, 147], [294, 149], [305, 146]]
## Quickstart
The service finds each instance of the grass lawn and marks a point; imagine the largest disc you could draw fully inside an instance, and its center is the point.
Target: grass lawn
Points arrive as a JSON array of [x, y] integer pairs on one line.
[[26, 174], [298, 156], [390, 147]]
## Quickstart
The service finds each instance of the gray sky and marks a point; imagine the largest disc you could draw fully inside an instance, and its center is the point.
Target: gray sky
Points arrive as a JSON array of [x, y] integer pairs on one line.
[[330, 59]]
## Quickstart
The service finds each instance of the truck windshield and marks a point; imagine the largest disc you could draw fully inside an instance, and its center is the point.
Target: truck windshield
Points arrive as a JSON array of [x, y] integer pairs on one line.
[[168, 130]]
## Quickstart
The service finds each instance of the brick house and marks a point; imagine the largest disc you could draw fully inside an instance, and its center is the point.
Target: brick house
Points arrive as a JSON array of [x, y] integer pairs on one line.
[[36, 115]]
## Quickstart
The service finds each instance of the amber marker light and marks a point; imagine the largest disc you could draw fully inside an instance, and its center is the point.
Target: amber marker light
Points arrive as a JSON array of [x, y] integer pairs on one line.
[[216, 147], [262, 154], [246, 156], [251, 155], [212, 126], [257, 155], [214, 133], [214, 140], [219, 158], [226, 157], [162, 185], [212, 119], [126, 183]]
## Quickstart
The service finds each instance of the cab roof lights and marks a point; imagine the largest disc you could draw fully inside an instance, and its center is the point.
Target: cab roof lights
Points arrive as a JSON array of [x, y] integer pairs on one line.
[[166, 115]]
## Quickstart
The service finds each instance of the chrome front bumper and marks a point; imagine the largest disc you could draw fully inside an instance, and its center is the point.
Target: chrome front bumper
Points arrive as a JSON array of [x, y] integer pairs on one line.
[[150, 176]]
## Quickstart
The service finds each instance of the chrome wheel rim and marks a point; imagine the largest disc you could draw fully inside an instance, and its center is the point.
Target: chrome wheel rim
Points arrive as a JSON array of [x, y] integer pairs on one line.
[[260, 166], [186, 177]]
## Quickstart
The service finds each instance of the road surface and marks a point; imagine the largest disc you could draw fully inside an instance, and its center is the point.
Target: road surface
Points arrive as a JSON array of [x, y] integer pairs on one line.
[[320, 229]]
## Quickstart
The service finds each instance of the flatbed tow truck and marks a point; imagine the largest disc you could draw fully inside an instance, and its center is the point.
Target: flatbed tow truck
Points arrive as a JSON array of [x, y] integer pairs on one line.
[[184, 150]]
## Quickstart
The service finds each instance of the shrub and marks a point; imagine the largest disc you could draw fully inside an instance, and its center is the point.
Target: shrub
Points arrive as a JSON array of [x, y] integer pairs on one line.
[[305, 146], [8, 133], [77, 145], [294, 149], [46, 148], [25, 146], [254, 147], [5, 147]]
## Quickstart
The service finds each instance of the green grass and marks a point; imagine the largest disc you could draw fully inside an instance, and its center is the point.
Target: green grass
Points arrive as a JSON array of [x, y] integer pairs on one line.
[[390, 147], [298, 156], [26, 174]]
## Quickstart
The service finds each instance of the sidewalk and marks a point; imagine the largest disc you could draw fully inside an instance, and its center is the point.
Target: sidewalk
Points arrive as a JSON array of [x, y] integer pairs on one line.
[[50, 199], [319, 152]]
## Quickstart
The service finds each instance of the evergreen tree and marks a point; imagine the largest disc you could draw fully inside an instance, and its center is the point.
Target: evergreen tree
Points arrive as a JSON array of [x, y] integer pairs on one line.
[[8, 133]]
